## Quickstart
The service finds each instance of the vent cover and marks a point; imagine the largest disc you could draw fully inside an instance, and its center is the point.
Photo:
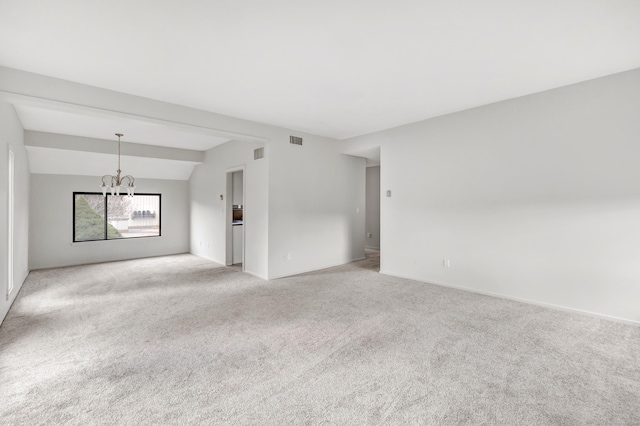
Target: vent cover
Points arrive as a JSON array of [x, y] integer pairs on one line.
[[258, 153], [295, 140]]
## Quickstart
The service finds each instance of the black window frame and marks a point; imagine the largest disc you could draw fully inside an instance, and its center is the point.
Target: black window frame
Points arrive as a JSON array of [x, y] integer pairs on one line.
[[106, 222]]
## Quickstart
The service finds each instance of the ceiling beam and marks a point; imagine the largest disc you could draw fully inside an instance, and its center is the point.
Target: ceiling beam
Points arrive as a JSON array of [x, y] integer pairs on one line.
[[24, 88], [101, 146]]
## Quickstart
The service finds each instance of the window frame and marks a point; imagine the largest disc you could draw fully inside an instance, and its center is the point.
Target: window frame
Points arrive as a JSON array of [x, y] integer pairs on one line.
[[106, 222]]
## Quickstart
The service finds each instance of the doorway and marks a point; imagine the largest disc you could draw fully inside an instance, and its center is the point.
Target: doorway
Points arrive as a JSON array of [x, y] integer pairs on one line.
[[372, 216], [10, 222], [235, 218]]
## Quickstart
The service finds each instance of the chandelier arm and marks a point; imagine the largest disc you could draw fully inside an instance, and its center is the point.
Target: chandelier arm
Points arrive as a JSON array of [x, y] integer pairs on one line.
[[112, 178], [130, 178]]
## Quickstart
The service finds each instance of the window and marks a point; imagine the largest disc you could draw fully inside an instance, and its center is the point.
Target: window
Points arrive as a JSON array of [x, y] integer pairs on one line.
[[96, 217]]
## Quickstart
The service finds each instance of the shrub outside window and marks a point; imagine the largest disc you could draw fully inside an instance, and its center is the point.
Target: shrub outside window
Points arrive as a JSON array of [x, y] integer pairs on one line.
[[114, 217]]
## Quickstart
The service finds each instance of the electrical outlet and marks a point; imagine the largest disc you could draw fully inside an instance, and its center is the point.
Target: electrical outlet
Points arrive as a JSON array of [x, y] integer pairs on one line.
[[446, 263]]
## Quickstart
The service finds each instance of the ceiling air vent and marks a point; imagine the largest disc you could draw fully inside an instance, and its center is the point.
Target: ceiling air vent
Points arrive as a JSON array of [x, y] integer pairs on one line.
[[258, 153], [295, 140]]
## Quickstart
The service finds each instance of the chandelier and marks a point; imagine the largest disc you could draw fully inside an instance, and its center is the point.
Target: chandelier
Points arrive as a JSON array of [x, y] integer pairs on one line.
[[115, 182]]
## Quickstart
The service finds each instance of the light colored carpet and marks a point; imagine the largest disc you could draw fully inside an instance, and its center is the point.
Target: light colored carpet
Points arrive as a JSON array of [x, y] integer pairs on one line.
[[181, 340]]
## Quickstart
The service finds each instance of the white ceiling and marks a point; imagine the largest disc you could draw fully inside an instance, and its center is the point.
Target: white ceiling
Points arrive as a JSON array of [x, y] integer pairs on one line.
[[333, 68]]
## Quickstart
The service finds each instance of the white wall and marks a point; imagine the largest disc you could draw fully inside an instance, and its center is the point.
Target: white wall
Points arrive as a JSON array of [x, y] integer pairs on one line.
[[372, 219], [208, 212], [11, 135], [51, 223], [535, 198], [305, 200], [316, 205]]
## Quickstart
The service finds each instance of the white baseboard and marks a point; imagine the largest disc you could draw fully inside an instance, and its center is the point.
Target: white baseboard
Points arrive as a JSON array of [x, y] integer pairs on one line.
[[11, 297], [254, 275], [315, 269], [515, 299]]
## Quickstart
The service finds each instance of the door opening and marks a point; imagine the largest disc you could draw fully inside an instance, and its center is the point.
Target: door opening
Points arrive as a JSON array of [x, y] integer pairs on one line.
[[372, 216], [235, 218], [10, 223]]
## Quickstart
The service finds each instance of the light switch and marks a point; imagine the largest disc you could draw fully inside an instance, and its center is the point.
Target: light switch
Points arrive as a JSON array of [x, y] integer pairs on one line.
[[388, 193]]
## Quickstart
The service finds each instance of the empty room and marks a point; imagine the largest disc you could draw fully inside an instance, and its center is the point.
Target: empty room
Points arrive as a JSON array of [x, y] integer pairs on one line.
[[346, 213]]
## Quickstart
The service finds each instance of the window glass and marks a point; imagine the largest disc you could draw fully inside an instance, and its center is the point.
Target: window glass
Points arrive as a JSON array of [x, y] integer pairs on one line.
[[137, 216], [88, 217], [126, 217]]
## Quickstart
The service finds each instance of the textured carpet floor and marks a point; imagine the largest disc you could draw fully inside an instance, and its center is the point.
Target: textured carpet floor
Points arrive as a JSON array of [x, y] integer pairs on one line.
[[181, 340]]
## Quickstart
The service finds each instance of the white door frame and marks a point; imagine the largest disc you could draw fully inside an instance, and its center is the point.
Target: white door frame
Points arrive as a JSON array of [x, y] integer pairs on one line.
[[229, 215], [10, 221]]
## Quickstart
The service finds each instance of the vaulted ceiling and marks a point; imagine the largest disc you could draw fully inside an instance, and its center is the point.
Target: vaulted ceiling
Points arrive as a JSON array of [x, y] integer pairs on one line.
[[332, 68]]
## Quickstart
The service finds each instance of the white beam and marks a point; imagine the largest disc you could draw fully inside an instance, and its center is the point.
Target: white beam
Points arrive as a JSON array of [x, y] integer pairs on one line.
[[78, 143]]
